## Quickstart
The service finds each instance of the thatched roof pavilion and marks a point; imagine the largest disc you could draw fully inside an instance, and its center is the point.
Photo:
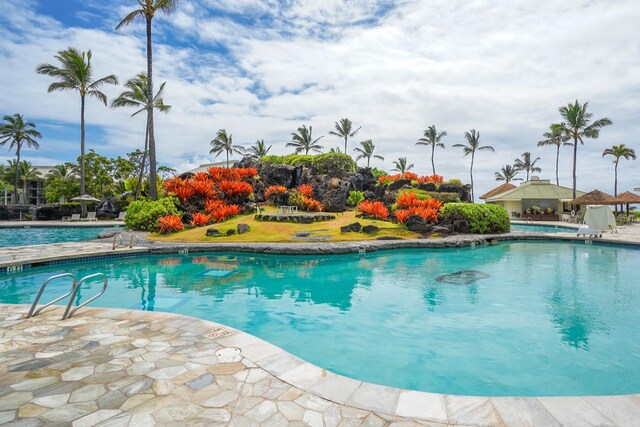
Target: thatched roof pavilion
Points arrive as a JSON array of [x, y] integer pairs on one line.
[[596, 197]]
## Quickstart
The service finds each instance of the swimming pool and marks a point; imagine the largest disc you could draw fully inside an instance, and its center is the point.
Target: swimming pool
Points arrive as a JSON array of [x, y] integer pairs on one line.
[[543, 228], [564, 322], [23, 236]]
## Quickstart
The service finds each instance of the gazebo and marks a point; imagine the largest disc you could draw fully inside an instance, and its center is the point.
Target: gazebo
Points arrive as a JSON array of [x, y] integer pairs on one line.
[[596, 197], [629, 198]]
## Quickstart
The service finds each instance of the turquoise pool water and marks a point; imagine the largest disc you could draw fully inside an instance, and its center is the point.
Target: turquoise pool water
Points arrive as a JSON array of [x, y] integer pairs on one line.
[[517, 318], [23, 236], [543, 228]]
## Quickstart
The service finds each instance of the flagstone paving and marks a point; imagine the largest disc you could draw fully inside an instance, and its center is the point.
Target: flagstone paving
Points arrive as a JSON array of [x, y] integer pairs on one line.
[[135, 368]]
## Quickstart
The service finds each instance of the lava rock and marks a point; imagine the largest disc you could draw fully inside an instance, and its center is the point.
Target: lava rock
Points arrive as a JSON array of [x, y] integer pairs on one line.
[[399, 184], [243, 228], [212, 232], [417, 224], [461, 226], [427, 186], [105, 234], [231, 232], [272, 174], [370, 229], [443, 231], [303, 234], [353, 227]]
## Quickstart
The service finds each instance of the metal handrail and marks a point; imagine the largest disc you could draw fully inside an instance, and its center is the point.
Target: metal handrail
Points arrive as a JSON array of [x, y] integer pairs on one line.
[[116, 236], [68, 313], [131, 240], [33, 311]]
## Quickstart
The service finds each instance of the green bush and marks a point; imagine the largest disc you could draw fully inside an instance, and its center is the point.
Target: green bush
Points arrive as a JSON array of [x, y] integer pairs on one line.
[[454, 181], [289, 160], [444, 197], [143, 214], [355, 197], [379, 172], [331, 162], [58, 187], [482, 219]]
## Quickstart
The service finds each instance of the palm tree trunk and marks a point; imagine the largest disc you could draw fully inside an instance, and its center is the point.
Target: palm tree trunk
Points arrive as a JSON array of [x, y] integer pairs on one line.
[[527, 174], [557, 158], [142, 163], [83, 207], [368, 160], [345, 144], [575, 157], [615, 182], [227, 159], [433, 165], [15, 182], [153, 187], [471, 173]]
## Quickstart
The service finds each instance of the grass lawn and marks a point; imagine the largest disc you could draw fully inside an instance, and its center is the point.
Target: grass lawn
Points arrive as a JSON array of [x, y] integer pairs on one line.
[[262, 231]]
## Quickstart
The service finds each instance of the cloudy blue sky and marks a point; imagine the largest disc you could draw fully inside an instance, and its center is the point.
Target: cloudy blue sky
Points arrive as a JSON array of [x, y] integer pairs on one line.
[[260, 69]]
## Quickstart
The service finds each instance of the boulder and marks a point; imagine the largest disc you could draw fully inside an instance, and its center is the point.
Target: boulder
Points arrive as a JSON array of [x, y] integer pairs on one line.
[[368, 179], [107, 208], [461, 226], [427, 186], [54, 211], [370, 229], [357, 182], [231, 232], [105, 234], [243, 228], [369, 195], [276, 174], [331, 192], [417, 224], [353, 227], [399, 184], [443, 231], [212, 232], [303, 234]]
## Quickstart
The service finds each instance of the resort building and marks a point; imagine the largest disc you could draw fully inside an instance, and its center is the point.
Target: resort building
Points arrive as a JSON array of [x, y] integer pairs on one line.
[[33, 192], [534, 197]]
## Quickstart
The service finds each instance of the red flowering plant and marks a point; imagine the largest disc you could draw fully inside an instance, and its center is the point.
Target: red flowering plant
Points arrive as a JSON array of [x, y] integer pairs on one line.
[[200, 219], [374, 209], [170, 224]]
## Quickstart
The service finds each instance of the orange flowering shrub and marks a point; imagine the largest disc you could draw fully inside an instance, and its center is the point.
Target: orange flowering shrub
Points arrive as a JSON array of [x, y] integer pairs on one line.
[[170, 185], [311, 205], [402, 215], [200, 176], [212, 204], [432, 178], [224, 212], [184, 192], [199, 219], [388, 179], [231, 174], [234, 189], [274, 189], [429, 214], [170, 224], [374, 209], [306, 190], [409, 199], [203, 187]]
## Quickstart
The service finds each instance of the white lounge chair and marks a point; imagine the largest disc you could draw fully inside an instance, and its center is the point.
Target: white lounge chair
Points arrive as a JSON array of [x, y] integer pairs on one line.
[[74, 217], [587, 231], [91, 216], [121, 216]]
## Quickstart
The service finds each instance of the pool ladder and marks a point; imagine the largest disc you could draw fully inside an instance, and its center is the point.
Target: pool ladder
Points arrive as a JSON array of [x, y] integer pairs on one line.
[[118, 238], [75, 287]]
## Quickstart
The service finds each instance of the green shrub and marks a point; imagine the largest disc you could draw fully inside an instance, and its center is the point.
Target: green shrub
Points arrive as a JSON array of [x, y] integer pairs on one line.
[[143, 214], [444, 197], [482, 219], [378, 172], [454, 181], [296, 199], [331, 162], [58, 187], [355, 197], [289, 160]]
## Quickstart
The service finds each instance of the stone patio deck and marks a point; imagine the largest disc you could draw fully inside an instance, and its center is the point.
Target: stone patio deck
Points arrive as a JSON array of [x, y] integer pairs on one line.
[[134, 368]]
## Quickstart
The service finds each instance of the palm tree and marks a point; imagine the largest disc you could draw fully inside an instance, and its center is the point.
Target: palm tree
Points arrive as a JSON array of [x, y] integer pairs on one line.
[[223, 142], [508, 173], [75, 73], [65, 172], [557, 137], [432, 138], [525, 164], [25, 171], [366, 152], [401, 165], [17, 132], [344, 129], [619, 151], [147, 11], [136, 96], [578, 126], [473, 145], [303, 141], [259, 149]]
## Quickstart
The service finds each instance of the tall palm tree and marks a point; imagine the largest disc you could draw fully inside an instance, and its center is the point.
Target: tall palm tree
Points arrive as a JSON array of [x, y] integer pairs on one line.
[[17, 132], [401, 165], [344, 129], [147, 11], [557, 137], [258, 149], [526, 164], [65, 172], [136, 96], [618, 151], [366, 152], [223, 142], [473, 145], [302, 140], [507, 174], [432, 138], [578, 126], [75, 73]]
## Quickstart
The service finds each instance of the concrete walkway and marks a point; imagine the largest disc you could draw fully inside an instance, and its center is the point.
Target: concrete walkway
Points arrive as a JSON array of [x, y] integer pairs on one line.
[[134, 368]]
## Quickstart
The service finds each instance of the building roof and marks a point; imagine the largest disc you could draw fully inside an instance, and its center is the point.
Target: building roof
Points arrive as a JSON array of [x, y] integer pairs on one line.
[[536, 189], [629, 197], [498, 190], [596, 197]]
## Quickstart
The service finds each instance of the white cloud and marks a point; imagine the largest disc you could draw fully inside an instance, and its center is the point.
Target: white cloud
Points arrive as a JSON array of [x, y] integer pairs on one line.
[[502, 68]]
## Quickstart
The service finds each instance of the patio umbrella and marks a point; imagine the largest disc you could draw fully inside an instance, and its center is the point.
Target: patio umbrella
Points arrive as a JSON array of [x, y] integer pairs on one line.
[[629, 198], [596, 197], [85, 198]]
